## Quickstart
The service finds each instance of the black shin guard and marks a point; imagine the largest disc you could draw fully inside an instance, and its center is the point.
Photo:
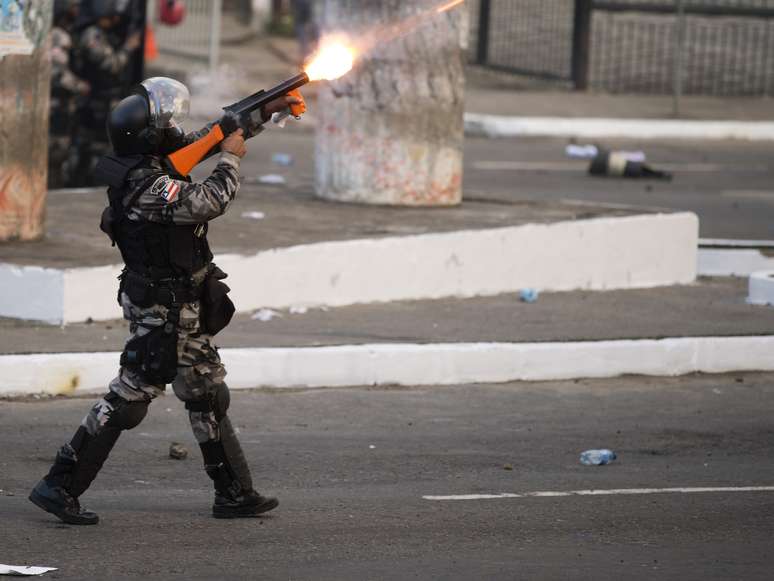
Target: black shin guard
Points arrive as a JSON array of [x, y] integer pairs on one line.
[[91, 459]]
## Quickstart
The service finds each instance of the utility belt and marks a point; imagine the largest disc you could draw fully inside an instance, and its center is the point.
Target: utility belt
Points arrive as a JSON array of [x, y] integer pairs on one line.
[[145, 292]]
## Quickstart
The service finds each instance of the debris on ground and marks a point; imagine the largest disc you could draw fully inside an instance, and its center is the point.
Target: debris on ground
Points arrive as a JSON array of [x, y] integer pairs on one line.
[[581, 151], [272, 179], [177, 451], [254, 215], [627, 164], [23, 570], [283, 159], [265, 315], [507, 466], [597, 457], [298, 310], [529, 295]]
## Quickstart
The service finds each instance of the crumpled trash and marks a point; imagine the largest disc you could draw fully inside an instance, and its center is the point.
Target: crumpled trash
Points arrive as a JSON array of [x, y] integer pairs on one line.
[[177, 451], [529, 295], [21, 570], [254, 215], [265, 315], [581, 151], [271, 179], [627, 164], [298, 310], [283, 159]]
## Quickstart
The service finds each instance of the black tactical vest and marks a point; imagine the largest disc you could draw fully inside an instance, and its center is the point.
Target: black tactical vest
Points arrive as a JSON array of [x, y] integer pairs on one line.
[[154, 250]]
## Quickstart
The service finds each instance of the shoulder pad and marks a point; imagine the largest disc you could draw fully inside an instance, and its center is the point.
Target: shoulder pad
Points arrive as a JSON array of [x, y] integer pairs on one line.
[[113, 169]]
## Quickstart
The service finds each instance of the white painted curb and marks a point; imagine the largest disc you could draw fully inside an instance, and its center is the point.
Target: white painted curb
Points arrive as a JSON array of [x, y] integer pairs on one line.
[[482, 125], [640, 251], [761, 288], [734, 257], [405, 364]]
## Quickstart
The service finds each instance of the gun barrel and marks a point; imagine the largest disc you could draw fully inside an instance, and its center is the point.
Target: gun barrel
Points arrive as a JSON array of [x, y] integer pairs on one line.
[[261, 98]]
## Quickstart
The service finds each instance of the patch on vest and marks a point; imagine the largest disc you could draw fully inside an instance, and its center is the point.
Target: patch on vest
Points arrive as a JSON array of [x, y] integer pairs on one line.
[[166, 188]]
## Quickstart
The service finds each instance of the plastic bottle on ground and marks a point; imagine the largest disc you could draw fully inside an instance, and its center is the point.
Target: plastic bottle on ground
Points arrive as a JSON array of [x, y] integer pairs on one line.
[[597, 457]]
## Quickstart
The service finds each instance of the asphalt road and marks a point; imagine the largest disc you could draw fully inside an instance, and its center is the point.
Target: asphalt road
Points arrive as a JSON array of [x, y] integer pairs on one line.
[[728, 184], [351, 468]]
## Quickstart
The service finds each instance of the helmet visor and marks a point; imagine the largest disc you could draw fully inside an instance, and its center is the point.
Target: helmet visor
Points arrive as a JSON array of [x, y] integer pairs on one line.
[[169, 101]]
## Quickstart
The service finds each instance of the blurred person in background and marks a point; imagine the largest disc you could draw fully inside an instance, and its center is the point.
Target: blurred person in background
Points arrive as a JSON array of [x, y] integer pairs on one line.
[[66, 89], [102, 55], [305, 22]]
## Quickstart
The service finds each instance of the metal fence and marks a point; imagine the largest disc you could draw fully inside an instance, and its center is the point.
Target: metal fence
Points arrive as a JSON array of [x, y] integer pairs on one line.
[[196, 37], [710, 47]]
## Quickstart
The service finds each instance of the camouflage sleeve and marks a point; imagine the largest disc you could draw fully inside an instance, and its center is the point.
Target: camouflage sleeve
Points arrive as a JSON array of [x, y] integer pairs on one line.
[[62, 78], [171, 201], [99, 53]]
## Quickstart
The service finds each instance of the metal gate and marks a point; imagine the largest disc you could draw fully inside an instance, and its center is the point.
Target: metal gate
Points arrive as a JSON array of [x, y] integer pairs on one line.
[[706, 47], [196, 37]]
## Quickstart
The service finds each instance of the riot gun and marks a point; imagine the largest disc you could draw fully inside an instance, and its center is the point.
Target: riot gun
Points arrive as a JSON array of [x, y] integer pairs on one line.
[[245, 114]]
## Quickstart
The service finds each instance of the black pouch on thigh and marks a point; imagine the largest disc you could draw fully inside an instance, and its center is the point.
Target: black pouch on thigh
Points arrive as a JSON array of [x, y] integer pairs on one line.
[[140, 291], [216, 308], [154, 355]]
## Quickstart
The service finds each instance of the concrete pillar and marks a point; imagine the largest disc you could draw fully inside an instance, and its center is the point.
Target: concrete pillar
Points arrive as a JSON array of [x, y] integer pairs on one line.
[[25, 72], [391, 130]]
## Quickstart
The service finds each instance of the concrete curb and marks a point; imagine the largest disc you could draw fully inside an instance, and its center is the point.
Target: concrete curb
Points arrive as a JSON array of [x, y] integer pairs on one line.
[[482, 125], [638, 251], [761, 288], [734, 257], [411, 364]]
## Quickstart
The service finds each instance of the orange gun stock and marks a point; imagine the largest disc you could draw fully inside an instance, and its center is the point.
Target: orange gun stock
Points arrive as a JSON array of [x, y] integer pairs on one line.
[[185, 159]]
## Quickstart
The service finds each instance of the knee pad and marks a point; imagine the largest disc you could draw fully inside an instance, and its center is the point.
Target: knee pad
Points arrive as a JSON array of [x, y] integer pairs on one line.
[[217, 402], [125, 414]]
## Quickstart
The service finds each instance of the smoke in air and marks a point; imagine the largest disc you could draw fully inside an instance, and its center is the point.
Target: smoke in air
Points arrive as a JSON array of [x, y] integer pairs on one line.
[[336, 55]]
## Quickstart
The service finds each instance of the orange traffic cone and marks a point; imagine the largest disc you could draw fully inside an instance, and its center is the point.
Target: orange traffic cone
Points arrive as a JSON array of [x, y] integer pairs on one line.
[[151, 49]]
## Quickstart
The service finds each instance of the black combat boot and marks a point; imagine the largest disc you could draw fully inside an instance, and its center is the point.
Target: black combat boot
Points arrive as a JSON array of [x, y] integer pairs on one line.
[[51, 493], [232, 501]]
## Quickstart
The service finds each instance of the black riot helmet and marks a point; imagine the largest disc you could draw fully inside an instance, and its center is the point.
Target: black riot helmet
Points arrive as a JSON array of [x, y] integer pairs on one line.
[[90, 11], [149, 121]]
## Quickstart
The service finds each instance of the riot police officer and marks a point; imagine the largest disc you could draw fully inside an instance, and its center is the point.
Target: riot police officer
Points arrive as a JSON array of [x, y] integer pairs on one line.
[[173, 297]]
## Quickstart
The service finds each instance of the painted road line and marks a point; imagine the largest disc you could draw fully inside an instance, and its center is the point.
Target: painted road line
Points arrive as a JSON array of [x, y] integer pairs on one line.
[[609, 492], [733, 243], [582, 166], [477, 124]]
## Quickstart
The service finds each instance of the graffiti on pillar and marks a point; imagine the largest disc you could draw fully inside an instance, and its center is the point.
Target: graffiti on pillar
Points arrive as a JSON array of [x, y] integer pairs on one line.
[[22, 25]]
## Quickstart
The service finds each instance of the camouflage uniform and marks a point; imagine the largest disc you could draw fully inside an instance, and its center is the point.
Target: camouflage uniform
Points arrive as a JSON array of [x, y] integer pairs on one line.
[[102, 60], [65, 87], [200, 372]]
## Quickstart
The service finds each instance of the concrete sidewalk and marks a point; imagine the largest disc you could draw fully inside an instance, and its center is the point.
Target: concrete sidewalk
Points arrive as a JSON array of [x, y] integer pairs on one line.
[[711, 307]]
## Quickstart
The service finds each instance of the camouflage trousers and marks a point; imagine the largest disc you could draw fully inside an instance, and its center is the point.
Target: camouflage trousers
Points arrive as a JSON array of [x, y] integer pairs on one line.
[[200, 373]]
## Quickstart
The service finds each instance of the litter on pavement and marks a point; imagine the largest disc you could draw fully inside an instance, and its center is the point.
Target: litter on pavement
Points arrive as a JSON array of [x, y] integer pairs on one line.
[[21, 570], [265, 315], [254, 215], [597, 457], [271, 179], [528, 295], [283, 159], [581, 151], [626, 164], [177, 451]]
